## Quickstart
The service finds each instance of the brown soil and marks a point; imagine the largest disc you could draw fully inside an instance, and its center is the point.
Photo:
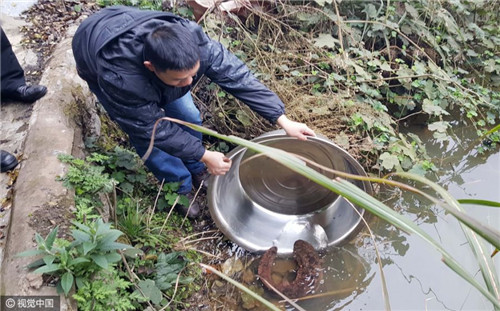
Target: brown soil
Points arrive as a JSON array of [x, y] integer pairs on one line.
[[48, 21], [53, 213]]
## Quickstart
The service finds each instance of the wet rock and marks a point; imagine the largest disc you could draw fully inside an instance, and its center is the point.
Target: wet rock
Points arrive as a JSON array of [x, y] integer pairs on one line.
[[232, 266], [308, 276]]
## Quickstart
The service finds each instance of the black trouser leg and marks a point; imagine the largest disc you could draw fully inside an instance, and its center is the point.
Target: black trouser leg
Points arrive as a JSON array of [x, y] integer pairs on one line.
[[12, 72]]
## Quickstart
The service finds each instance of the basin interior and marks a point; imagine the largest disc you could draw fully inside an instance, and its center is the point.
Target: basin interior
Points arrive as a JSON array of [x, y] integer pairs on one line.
[[279, 189]]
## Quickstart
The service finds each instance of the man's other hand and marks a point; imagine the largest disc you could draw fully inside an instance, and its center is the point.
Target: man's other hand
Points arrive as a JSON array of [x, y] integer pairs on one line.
[[217, 163], [295, 129]]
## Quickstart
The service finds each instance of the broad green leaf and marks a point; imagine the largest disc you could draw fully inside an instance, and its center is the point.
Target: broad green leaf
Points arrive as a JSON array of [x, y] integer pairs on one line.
[[361, 71], [31, 252], [100, 260], [110, 236], [133, 252], [88, 246], [186, 280], [419, 68], [49, 241], [326, 40], [111, 246], [471, 53], [81, 226], [79, 237], [389, 161], [40, 241], [113, 257], [35, 264], [103, 228], [78, 260], [432, 108], [48, 259], [79, 281], [48, 268], [411, 9], [385, 67], [150, 291], [67, 282], [370, 10]]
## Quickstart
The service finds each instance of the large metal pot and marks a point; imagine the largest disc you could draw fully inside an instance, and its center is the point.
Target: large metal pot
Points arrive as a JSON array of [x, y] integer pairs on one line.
[[259, 203]]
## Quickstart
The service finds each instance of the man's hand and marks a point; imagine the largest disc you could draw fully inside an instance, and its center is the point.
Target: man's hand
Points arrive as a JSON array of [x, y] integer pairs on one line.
[[217, 163], [295, 129]]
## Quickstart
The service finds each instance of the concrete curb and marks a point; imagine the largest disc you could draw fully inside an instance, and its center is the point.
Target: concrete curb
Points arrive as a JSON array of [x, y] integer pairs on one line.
[[51, 132]]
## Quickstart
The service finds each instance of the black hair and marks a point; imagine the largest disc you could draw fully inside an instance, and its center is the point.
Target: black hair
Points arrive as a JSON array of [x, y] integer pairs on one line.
[[171, 48]]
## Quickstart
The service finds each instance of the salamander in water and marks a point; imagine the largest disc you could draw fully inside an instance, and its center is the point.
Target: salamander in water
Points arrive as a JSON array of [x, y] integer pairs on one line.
[[309, 270]]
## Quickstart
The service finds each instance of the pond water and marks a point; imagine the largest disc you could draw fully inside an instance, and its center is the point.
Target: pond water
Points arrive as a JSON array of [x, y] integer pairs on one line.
[[415, 276]]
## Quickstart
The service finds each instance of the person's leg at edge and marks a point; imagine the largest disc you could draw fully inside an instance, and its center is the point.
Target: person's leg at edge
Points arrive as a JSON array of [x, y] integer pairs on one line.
[[13, 82], [12, 72]]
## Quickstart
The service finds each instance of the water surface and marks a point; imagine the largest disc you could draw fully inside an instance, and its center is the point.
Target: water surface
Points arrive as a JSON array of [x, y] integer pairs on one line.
[[415, 276]]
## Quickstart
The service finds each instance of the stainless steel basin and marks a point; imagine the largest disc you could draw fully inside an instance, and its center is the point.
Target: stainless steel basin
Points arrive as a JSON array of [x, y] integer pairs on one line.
[[259, 203]]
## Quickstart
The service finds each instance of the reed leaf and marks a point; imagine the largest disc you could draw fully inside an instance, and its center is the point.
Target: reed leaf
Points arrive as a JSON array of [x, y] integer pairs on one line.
[[493, 130], [479, 202], [478, 246]]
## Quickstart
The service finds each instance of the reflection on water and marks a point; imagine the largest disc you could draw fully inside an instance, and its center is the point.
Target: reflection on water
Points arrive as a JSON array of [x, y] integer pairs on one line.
[[416, 278]]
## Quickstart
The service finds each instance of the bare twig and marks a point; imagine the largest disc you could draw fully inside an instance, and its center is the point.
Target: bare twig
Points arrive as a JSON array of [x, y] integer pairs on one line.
[[339, 24], [169, 213], [151, 212]]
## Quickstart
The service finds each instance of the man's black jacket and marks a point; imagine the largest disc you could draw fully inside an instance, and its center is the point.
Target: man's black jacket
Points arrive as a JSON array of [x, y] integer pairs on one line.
[[108, 52]]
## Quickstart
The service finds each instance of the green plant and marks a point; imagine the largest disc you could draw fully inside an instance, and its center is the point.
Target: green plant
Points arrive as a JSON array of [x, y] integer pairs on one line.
[[107, 290], [168, 268], [85, 209], [93, 249], [168, 278], [393, 60], [84, 177], [171, 195], [143, 4]]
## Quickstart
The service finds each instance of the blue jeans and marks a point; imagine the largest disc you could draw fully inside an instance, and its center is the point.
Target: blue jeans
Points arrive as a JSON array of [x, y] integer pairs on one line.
[[163, 165]]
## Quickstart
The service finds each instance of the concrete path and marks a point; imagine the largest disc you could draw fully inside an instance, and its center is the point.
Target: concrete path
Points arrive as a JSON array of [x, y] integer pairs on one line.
[[37, 134]]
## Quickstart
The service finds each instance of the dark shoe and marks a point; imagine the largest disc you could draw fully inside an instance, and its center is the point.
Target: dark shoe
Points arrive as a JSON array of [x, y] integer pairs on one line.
[[8, 161], [192, 210], [204, 177], [27, 93]]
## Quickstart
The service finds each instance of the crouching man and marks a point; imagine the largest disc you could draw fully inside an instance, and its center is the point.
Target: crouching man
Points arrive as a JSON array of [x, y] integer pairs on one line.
[[141, 66]]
